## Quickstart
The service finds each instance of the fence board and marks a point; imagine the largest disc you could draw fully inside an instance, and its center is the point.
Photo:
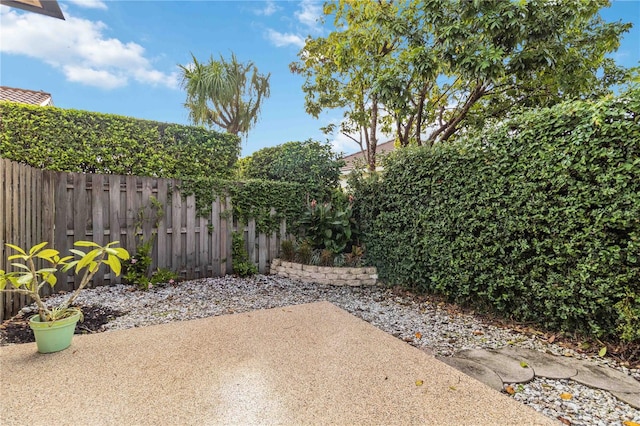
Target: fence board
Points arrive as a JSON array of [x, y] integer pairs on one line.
[[161, 259], [215, 238], [203, 248], [114, 216], [229, 230], [191, 237], [176, 228], [251, 240], [97, 220]]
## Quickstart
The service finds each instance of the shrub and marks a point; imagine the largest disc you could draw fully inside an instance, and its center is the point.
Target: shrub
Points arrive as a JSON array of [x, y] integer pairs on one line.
[[242, 265], [43, 137], [536, 219]]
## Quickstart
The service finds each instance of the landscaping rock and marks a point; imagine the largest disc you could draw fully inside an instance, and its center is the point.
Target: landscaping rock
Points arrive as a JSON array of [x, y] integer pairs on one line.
[[509, 369], [543, 365]]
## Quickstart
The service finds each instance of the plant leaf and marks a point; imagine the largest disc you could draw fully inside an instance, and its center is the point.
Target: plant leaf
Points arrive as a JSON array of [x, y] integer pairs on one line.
[[37, 247], [114, 264], [602, 352], [47, 254], [86, 244], [16, 248]]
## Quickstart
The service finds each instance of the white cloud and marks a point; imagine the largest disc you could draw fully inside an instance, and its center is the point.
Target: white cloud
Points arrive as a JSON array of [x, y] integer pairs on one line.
[[90, 4], [93, 77], [269, 9], [309, 14], [284, 39], [308, 22], [80, 49]]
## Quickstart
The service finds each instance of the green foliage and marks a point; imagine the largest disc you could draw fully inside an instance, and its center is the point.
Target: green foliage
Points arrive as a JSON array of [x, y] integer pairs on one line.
[[288, 251], [537, 219], [29, 280], [88, 142], [137, 268], [309, 163], [225, 93], [242, 265], [416, 59], [304, 252], [326, 227], [251, 199], [163, 276]]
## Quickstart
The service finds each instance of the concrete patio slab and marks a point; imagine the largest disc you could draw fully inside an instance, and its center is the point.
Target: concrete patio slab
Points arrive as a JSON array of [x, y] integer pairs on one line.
[[543, 365], [306, 364], [509, 369], [475, 370]]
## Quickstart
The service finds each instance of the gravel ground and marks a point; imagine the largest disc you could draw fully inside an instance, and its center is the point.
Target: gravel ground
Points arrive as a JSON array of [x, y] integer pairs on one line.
[[423, 324]]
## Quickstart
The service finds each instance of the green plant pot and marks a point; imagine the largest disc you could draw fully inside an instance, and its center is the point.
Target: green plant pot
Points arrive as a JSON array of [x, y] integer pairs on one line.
[[53, 336]]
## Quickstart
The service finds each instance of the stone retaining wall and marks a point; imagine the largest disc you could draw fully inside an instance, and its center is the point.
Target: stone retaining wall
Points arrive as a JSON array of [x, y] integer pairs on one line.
[[325, 274]]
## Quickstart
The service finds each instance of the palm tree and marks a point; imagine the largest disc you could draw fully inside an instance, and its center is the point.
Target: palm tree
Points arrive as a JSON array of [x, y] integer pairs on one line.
[[226, 94]]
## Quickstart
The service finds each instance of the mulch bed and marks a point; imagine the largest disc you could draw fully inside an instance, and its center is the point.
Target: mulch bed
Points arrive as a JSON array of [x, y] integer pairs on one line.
[[16, 329]]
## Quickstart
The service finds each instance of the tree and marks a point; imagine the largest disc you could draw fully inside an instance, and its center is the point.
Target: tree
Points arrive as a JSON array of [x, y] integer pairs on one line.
[[310, 163], [431, 68], [228, 94]]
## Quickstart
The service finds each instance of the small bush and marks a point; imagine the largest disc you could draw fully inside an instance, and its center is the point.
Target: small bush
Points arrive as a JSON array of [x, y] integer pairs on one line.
[[288, 251], [242, 266]]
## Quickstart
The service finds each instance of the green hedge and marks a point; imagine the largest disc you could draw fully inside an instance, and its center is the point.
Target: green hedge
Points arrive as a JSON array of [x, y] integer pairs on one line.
[[538, 219], [81, 141], [253, 198]]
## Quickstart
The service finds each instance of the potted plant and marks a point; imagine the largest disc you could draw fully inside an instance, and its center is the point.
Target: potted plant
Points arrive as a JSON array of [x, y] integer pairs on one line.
[[53, 327]]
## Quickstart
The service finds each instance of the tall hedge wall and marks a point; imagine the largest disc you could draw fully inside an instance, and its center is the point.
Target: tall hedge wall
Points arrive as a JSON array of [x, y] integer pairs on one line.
[[537, 219], [81, 141]]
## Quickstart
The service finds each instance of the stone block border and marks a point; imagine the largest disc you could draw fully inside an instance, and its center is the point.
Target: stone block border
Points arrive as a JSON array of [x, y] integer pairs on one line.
[[325, 274]]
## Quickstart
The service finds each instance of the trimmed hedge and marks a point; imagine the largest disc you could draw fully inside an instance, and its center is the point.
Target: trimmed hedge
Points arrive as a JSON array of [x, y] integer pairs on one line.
[[538, 219], [252, 198], [81, 141]]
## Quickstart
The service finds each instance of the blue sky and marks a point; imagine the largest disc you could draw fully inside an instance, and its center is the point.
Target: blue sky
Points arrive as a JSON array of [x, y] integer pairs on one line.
[[122, 57]]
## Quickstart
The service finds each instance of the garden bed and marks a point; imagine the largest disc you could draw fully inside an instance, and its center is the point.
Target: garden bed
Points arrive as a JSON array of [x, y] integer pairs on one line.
[[332, 275]]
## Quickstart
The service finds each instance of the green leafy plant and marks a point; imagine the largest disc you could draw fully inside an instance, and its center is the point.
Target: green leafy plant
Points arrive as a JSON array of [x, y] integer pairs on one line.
[[326, 227], [137, 267], [288, 251], [30, 280], [304, 253], [242, 265], [163, 276]]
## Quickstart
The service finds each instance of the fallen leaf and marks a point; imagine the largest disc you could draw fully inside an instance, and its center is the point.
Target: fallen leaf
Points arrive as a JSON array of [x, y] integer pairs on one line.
[[509, 390], [630, 423], [419, 382], [552, 338], [585, 345], [602, 352], [564, 421], [418, 335], [478, 333], [524, 364], [452, 388], [566, 396]]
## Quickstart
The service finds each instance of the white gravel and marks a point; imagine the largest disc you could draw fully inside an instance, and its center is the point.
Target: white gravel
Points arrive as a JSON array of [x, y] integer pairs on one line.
[[439, 332]]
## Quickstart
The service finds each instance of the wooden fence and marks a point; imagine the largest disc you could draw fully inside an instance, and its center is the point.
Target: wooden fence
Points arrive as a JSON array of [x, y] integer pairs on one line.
[[61, 208]]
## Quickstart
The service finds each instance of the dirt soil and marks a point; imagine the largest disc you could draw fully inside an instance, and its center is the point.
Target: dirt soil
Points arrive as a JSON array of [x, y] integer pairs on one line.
[[16, 329]]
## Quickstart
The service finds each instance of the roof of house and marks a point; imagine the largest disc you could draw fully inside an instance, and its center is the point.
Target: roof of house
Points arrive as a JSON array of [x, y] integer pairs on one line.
[[349, 160], [25, 96]]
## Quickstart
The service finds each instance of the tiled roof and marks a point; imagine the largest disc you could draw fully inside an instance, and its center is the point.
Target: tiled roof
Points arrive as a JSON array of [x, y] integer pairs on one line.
[[24, 96], [382, 148]]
